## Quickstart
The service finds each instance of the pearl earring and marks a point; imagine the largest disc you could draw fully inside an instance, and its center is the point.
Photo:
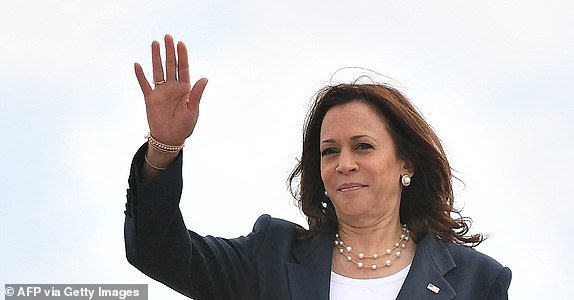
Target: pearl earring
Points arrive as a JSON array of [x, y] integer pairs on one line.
[[406, 180]]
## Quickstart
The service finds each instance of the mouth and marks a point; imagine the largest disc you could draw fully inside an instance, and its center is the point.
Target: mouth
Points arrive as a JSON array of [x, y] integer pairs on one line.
[[350, 187]]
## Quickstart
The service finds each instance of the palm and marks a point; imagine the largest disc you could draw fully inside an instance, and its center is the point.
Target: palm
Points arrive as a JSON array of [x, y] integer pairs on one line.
[[169, 113], [173, 105]]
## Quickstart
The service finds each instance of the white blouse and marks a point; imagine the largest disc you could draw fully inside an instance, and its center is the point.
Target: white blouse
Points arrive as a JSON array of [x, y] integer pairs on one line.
[[344, 288]]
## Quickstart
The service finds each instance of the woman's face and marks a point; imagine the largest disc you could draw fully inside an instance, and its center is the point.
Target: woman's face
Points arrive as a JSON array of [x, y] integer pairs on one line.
[[359, 165]]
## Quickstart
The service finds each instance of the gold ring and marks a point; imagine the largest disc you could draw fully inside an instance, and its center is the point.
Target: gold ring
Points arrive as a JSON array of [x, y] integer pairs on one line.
[[159, 82]]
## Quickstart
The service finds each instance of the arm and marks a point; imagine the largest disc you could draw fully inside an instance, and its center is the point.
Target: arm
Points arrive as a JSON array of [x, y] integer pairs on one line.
[[156, 239], [158, 243]]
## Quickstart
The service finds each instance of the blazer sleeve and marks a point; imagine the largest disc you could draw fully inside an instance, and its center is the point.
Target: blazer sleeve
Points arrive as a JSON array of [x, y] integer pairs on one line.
[[158, 243]]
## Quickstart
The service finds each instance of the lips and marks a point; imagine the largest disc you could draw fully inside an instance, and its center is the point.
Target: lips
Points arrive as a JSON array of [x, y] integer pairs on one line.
[[349, 187]]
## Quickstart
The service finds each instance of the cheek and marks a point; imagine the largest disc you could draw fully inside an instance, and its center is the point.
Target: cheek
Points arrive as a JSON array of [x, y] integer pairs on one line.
[[388, 174], [326, 173]]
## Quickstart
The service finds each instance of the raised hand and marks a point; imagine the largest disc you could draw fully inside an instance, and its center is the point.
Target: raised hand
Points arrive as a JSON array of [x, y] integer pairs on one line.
[[172, 106]]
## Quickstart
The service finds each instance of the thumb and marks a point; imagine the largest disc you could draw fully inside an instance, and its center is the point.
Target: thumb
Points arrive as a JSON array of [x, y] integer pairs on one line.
[[197, 91]]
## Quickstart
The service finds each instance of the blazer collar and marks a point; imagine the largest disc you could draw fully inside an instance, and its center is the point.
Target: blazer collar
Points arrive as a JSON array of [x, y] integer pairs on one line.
[[309, 273], [426, 277]]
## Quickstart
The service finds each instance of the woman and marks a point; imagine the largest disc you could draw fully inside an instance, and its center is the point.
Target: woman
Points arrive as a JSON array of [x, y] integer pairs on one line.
[[374, 183]]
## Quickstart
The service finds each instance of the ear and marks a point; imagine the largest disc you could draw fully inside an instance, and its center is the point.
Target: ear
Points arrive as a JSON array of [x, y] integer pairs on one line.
[[408, 168]]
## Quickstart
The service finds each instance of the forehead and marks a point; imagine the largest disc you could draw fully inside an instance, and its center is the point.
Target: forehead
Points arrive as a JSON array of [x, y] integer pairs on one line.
[[352, 118]]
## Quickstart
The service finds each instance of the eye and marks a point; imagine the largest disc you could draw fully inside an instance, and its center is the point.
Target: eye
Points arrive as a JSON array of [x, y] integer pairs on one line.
[[363, 146], [328, 151]]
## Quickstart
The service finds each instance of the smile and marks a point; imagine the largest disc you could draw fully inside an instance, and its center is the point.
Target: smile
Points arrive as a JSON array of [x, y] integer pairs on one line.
[[350, 187]]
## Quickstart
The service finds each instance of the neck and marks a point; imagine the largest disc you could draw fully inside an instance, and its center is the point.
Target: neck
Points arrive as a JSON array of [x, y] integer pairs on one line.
[[371, 238]]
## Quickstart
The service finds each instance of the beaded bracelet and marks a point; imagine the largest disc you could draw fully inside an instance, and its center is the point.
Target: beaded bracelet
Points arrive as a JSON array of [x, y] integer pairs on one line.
[[162, 147]]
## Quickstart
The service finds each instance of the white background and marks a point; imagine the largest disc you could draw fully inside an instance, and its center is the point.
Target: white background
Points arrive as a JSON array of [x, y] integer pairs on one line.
[[494, 78]]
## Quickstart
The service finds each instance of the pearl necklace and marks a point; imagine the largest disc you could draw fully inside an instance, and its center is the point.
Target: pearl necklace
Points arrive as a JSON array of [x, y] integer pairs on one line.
[[348, 252]]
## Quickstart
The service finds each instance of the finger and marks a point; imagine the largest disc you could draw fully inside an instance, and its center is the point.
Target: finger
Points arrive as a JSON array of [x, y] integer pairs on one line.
[[144, 84], [156, 62], [182, 63], [170, 64], [196, 92]]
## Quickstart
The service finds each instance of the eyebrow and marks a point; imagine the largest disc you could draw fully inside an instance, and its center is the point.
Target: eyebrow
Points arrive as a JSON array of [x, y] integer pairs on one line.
[[353, 138]]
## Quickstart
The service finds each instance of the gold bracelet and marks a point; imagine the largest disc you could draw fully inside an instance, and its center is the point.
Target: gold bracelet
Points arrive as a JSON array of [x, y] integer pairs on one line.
[[162, 147], [153, 166]]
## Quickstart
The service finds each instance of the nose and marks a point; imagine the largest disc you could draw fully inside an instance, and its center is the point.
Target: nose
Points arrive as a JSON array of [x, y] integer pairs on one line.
[[347, 163]]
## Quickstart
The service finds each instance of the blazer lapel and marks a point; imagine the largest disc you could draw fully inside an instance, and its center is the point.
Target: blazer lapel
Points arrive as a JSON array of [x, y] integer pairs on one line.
[[426, 276], [310, 273]]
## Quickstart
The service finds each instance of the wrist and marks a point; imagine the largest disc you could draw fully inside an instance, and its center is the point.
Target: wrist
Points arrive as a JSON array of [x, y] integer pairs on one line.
[[161, 147], [159, 155], [159, 160]]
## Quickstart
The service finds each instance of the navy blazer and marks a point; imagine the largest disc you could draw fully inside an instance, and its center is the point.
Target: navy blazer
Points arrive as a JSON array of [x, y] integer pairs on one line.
[[270, 262]]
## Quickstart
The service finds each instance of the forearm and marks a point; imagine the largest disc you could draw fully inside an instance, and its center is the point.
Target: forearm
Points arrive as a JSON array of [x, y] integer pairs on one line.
[[157, 241]]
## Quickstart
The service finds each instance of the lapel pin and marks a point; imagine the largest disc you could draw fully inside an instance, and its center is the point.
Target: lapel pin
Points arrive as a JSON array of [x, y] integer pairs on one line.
[[433, 288]]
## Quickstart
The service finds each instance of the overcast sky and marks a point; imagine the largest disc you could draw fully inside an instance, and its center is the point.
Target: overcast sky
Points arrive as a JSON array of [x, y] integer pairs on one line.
[[494, 78]]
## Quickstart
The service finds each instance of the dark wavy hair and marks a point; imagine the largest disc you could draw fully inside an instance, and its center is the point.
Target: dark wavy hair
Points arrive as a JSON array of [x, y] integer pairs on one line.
[[426, 205]]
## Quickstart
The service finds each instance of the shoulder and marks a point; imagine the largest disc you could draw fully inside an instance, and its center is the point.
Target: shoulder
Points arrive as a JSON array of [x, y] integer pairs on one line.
[[461, 257], [485, 272], [469, 271], [266, 222], [269, 232], [469, 258]]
